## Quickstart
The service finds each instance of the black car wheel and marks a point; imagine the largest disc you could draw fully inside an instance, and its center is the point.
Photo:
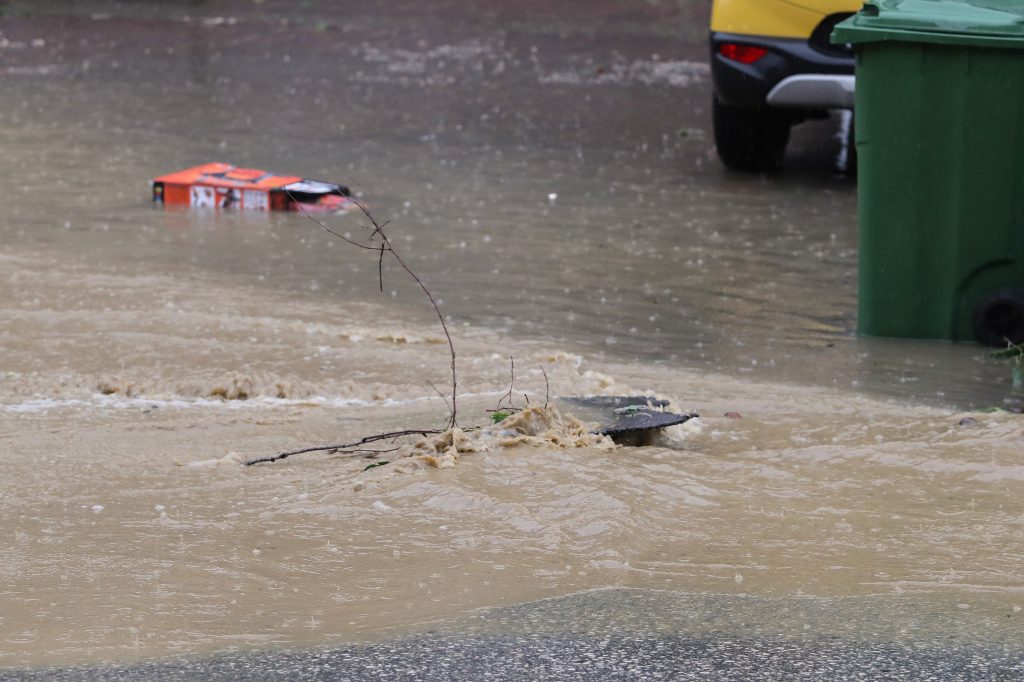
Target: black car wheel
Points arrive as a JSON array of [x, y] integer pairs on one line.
[[751, 139]]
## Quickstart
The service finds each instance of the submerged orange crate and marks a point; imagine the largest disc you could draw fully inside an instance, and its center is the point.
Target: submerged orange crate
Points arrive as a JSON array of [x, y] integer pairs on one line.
[[221, 185]]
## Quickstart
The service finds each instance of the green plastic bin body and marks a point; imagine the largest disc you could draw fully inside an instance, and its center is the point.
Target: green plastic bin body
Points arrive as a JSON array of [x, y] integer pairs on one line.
[[940, 143]]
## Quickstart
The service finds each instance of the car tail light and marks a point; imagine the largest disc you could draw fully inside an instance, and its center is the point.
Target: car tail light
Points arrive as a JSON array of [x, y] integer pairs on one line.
[[745, 54]]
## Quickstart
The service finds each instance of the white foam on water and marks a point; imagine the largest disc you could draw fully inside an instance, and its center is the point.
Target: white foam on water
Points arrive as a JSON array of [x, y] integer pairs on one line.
[[107, 402]]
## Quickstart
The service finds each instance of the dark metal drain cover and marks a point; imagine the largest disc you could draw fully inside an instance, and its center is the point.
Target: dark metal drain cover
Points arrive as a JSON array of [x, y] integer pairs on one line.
[[623, 417]]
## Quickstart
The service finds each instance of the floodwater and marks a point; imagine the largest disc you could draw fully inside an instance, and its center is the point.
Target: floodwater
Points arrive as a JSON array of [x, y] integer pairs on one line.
[[549, 174]]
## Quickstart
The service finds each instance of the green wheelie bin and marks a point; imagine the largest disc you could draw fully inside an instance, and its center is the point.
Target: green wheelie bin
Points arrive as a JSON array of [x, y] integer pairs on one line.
[[940, 142]]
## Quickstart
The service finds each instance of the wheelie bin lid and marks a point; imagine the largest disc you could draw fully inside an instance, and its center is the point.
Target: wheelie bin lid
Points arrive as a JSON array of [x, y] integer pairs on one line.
[[985, 23]]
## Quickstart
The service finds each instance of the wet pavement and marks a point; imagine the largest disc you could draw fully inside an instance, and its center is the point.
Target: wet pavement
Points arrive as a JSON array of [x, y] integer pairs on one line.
[[573, 658], [586, 637]]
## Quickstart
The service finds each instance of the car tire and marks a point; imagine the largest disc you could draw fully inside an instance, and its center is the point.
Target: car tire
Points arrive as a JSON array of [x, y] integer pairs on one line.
[[750, 139]]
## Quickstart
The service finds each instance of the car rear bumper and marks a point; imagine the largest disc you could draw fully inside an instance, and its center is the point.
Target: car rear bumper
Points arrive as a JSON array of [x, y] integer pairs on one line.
[[793, 74], [813, 90]]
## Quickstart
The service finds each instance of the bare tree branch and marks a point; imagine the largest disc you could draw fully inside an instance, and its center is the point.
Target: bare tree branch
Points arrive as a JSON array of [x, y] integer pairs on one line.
[[352, 449], [379, 230], [344, 447], [327, 229], [511, 386], [442, 396]]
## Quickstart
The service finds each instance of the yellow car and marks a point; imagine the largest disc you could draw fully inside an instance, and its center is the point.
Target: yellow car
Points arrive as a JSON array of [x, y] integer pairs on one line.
[[773, 66]]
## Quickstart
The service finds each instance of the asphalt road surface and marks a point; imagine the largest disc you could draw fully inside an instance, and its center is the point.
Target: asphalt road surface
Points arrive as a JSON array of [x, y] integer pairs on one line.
[[573, 658]]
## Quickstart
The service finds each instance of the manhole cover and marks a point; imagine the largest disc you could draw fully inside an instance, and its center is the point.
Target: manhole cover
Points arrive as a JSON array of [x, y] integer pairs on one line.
[[626, 418]]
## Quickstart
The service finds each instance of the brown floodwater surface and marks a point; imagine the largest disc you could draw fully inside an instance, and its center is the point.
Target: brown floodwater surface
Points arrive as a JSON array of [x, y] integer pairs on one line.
[[132, 530], [549, 174]]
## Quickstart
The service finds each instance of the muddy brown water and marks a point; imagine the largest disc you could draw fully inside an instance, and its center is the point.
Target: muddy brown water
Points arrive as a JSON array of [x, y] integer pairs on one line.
[[550, 174]]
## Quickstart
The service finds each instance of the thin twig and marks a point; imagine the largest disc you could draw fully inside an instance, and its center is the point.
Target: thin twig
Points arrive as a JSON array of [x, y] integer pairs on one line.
[[547, 387], [511, 386], [1011, 351], [385, 245], [352, 449], [369, 453], [327, 229], [441, 395], [344, 447], [378, 229]]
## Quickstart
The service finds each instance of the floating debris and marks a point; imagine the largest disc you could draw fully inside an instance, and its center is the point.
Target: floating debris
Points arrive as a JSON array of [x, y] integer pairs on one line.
[[221, 185]]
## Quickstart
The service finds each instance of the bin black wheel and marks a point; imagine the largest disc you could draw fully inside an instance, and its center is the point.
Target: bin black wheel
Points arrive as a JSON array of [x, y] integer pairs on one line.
[[999, 317], [750, 139]]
